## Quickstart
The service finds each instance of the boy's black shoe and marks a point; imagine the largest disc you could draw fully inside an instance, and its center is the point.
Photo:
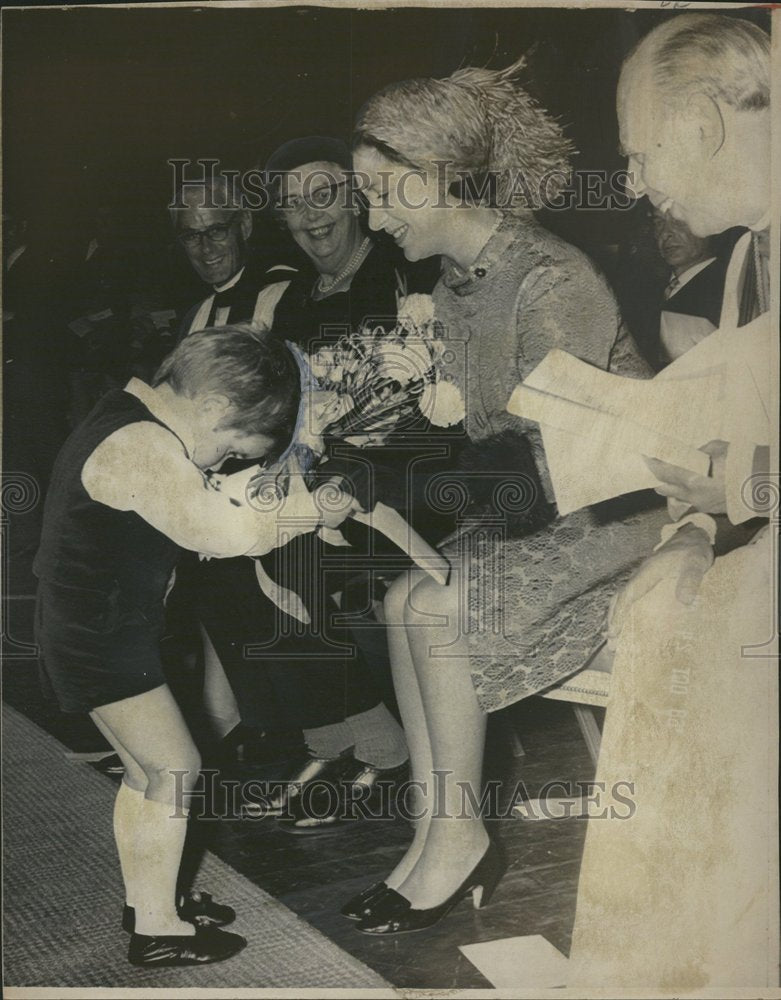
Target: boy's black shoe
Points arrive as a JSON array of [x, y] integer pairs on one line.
[[196, 908], [208, 944]]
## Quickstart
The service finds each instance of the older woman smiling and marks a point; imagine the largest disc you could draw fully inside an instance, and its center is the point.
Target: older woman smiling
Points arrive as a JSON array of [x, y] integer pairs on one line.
[[354, 275]]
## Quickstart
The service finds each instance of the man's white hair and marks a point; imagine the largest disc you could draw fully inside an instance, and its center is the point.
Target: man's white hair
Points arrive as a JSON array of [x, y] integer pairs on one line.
[[727, 58]]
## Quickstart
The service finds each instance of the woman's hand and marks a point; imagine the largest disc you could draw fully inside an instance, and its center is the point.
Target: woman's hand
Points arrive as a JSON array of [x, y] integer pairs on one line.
[[686, 558], [705, 493]]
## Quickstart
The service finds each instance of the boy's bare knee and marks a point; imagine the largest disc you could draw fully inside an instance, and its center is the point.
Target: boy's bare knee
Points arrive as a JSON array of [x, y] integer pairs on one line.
[[190, 765], [169, 782]]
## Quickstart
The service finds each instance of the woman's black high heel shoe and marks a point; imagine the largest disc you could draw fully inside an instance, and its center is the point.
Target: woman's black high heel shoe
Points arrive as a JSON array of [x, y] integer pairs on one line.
[[359, 907], [392, 913]]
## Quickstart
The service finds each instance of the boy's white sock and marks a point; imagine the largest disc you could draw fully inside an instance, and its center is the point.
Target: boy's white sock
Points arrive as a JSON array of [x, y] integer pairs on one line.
[[162, 833], [128, 809]]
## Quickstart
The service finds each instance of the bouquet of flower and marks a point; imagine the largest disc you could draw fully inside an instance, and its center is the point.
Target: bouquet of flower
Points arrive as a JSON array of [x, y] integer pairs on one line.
[[359, 390], [373, 382]]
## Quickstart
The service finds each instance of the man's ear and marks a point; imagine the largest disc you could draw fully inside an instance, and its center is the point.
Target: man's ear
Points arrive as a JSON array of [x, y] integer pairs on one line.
[[245, 223], [705, 117]]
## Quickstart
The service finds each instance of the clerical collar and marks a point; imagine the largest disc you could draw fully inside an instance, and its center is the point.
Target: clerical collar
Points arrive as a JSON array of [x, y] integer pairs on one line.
[[691, 272], [157, 406], [229, 284]]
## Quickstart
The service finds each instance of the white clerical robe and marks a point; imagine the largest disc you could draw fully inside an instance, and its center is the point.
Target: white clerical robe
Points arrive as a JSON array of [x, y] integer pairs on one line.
[[683, 894]]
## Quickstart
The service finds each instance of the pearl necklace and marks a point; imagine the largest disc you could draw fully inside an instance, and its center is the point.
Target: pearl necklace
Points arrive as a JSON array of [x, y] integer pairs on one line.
[[349, 267]]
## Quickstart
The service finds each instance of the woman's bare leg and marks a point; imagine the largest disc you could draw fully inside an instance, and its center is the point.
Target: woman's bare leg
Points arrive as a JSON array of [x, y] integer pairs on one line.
[[455, 837], [151, 737], [413, 717]]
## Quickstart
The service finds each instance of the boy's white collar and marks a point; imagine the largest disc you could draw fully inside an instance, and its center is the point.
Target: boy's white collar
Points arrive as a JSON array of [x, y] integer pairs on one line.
[[159, 408]]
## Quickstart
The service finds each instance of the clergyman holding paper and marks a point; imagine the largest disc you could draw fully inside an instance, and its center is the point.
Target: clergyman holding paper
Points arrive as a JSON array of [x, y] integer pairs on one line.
[[684, 895]]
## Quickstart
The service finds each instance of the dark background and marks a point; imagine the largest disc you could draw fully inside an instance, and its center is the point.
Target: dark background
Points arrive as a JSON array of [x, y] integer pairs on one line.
[[96, 100]]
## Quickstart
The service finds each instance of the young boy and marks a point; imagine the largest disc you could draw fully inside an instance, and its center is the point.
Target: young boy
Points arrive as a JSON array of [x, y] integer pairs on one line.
[[128, 493]]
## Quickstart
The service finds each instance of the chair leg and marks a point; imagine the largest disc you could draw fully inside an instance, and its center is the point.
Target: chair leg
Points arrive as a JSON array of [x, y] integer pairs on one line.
[[511, 733], [515, 743], [589, 728]]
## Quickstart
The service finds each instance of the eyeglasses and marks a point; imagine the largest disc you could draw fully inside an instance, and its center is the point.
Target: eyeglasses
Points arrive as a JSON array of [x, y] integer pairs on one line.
[[218, 233], [322, 197]]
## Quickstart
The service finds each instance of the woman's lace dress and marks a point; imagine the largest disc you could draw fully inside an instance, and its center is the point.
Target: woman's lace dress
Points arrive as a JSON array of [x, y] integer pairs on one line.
[[536, 602]]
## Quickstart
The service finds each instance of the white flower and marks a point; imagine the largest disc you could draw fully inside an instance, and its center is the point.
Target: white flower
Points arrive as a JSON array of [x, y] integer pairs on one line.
[[417, 310], [443, 404], [405, 361]]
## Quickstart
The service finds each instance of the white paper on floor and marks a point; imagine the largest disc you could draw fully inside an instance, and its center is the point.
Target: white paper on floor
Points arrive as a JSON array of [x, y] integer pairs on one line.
[[510, 963]]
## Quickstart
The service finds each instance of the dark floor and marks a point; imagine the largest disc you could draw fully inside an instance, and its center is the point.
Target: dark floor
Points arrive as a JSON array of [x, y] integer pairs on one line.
[[314, 875]]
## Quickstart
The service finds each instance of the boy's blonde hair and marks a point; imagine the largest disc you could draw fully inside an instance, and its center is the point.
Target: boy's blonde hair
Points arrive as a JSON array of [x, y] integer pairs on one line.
[[252, 367]]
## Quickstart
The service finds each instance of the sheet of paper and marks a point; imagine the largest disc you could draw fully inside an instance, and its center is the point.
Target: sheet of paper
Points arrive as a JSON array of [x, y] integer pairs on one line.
[[596, 427], [528, 962]]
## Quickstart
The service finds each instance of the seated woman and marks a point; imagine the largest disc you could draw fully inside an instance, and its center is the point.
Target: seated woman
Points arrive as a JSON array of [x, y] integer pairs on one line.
[[353, 274], [528, 593]]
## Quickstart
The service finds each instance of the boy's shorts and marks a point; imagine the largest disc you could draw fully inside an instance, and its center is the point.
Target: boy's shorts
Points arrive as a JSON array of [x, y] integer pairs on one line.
[[96, 648]]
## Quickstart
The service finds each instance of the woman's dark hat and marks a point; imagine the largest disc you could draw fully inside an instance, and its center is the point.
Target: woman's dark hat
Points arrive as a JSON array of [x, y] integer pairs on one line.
[[308, 149]]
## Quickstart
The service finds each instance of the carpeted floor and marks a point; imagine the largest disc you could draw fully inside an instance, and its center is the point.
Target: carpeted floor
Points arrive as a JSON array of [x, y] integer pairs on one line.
[[63, 892]]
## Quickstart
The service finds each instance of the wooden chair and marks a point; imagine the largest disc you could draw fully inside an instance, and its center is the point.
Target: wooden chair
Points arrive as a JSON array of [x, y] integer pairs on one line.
[[589, 688]]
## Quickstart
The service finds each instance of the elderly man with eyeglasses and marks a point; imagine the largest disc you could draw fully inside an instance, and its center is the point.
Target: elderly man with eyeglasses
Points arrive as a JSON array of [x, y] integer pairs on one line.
[[213, 229]]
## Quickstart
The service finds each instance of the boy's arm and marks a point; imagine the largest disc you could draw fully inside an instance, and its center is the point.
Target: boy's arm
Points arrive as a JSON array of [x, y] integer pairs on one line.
[[143, 467]]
